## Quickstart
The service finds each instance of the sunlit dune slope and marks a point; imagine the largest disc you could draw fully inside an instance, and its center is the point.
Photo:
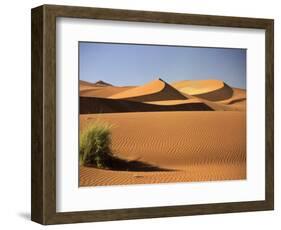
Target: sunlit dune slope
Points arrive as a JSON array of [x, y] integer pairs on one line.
[[103, 92], [213, 90], [100, 89], [85, 85], [194, 87], [157, 90]]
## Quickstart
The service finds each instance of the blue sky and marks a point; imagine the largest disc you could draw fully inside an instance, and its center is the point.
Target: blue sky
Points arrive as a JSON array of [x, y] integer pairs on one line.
[[127, 64]]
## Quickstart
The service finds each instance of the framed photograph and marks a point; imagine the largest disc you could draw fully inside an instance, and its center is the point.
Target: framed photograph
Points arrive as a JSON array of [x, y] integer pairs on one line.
[[141, 114]]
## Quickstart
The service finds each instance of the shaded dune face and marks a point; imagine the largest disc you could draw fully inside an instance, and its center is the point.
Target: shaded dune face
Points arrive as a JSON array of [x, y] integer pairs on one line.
[[90, 105], [157, 90], [238, 96], [237, 101]]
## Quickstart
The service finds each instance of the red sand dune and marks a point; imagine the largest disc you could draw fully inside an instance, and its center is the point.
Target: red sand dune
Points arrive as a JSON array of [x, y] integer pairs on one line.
[[238, 95], [95, 84], [102, 84], [213, 93], [216, 94], [103, 92], [195, 87], [212, 90], [163, 126], [157, 90], [100, 89]]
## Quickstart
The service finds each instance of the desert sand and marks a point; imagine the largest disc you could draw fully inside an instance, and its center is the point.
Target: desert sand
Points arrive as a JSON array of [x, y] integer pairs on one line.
[[186, 131]]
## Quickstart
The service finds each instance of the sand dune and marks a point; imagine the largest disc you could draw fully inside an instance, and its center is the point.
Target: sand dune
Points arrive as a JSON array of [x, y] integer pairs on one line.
[[94, 84], [223, 93], [194, 129], [103, 92], [226, 105], [212, 90], [175, 102], [90, 105], [238, 95], [157, 90], [84, 85], [215, 94], [100, 89], [217, 106], [197, 146], [102, 84], [195, 87], [232, 104], [237, 101]]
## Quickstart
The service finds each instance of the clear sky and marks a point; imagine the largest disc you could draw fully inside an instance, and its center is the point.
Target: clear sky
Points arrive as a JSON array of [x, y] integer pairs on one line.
[[127, 64]]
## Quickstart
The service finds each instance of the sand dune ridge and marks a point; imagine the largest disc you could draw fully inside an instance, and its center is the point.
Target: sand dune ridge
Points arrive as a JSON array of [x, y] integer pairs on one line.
[[157, 90]]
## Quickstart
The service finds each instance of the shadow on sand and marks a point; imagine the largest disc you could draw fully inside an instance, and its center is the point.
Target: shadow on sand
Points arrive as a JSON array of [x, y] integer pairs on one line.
[[117, 164], [90, 105]]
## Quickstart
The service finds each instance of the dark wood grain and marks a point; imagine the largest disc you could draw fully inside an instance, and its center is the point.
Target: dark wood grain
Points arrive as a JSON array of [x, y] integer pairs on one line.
[[269, 118], [43, 207], [37, 115]]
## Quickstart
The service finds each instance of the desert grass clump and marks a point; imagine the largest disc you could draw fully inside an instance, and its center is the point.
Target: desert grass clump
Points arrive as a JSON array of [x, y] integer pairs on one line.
[[95, 144]]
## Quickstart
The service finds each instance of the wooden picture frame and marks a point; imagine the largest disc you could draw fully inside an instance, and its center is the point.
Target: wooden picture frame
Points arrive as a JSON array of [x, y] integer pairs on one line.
[[43, 205]]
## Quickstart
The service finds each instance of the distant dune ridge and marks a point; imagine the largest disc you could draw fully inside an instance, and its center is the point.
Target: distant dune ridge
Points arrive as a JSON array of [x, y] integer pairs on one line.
[[196, 129], [100, 89], [102, 83]]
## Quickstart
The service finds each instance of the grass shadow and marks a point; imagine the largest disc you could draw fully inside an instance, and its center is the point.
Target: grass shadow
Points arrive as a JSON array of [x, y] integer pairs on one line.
[[117, 164]]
